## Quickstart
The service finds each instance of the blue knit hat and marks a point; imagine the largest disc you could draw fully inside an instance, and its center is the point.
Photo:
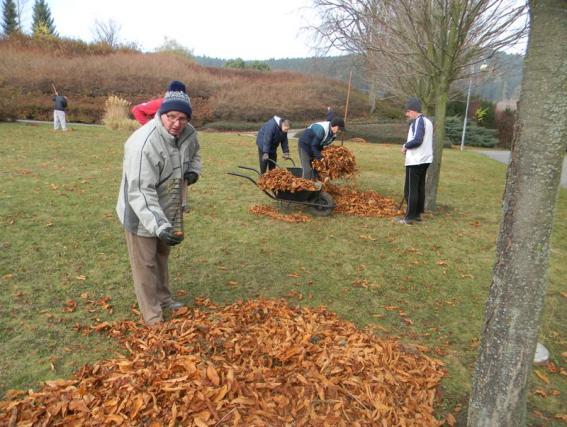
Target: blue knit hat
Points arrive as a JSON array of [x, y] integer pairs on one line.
[[413, 104], [176, 99]]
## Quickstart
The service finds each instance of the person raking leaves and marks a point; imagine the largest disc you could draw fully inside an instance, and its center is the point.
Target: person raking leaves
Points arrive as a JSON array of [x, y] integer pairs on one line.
[[160, 159]]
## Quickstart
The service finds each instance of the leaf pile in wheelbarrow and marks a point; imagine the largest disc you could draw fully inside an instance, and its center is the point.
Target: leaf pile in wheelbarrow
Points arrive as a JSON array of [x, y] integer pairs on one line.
[[255, 363], [336, 162], [273, 213], [362, 203], [282, 180]]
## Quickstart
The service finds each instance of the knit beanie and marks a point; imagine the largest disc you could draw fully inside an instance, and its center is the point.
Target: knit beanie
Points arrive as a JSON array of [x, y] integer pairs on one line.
[[413, 104], [176, 99], [337, 121]]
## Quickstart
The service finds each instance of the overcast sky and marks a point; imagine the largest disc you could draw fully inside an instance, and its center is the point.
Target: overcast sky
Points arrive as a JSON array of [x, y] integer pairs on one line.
[[250, 29]]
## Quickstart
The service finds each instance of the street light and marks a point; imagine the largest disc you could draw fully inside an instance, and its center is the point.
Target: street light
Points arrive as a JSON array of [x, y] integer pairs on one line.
[[483, 67]]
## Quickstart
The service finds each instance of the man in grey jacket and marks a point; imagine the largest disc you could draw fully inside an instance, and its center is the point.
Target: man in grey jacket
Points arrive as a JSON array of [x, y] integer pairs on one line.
[[160, 160]]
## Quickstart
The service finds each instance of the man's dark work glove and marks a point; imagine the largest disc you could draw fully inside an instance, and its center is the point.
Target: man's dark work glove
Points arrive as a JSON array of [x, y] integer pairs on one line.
[[265, 157], [191, 177], [169, 237]]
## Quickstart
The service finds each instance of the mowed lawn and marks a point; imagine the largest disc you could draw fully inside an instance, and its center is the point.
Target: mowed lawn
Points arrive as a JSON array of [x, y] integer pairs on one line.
[[426, 284]]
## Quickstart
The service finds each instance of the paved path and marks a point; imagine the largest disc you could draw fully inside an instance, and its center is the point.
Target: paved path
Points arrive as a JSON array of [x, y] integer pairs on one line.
[[504, 157], [47, 122]]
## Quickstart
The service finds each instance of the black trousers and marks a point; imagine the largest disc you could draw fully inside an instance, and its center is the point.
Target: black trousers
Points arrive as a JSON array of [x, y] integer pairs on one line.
[[265, 164], [414, 190], [305, 158]]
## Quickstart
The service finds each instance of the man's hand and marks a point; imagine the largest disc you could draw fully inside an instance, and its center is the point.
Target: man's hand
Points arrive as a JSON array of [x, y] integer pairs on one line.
[[404, 149], [191, 177], [265, 157], [169, 237]]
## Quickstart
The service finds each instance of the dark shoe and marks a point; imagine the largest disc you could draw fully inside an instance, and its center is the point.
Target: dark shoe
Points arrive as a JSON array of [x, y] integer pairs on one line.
[[172, 305], [418, 219]]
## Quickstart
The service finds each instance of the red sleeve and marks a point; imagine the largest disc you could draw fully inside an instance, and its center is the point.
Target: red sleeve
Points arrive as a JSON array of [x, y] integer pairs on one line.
[[146, 111]]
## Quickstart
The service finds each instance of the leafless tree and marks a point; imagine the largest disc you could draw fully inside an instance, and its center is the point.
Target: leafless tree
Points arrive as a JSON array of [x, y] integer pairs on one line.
[[421, 47], [519, 281], [20, 6], [107, 32]]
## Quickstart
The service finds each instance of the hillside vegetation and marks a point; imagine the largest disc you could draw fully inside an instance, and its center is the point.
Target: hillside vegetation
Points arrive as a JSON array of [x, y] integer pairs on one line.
[[88, 74]]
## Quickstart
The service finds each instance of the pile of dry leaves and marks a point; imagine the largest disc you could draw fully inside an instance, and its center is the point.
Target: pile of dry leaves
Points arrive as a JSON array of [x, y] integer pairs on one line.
[[337, 162], [362, 203], [282, 180], [273, 213], [256, 363]]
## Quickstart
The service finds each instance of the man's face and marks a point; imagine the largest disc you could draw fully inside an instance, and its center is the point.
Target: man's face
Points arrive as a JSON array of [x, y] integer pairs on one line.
[[411, 115], [336, 130], [285, 128], [174, 122]]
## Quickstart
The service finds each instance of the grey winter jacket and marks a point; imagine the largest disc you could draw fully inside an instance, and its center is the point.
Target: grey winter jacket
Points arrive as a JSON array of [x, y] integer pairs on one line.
[[154, 164]]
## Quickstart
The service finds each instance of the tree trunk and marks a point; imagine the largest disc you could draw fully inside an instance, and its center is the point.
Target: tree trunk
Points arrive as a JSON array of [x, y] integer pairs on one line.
[[434, 171], [515, 300], [372, 96]]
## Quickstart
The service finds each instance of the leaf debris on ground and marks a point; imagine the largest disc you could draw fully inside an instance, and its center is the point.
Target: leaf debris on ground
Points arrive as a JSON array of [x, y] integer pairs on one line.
[[269, 211], [259, 362]]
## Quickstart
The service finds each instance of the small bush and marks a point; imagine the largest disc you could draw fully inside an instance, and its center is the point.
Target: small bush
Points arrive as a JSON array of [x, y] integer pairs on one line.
[[505, 121], [475, 135], [116, 114]]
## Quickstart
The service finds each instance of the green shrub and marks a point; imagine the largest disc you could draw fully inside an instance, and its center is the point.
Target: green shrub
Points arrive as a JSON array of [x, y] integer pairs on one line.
[[475, 135]]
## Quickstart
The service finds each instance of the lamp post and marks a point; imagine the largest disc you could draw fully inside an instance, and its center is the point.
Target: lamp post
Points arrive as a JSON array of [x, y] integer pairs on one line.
[[483, 67]]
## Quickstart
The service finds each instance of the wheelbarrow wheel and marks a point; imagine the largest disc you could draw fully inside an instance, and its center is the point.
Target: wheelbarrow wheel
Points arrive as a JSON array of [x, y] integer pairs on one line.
[[326, 205]]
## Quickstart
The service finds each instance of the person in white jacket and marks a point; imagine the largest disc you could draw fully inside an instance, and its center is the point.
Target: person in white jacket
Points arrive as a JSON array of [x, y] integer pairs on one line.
[[418, 150], [160, 159]]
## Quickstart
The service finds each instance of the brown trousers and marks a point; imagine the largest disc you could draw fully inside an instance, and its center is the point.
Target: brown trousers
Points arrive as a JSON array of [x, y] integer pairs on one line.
[[148, 258]]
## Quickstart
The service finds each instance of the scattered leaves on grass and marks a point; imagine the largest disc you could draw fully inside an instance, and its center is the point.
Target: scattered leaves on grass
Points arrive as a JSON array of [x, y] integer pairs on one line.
[[259, 362], [273, 213], [70, 306], [542, 376], [362, 203], [336, 162], [279, 179]]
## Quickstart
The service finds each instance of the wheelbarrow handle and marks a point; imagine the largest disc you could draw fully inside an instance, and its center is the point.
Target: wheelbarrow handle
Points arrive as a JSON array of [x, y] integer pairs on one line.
[[291, 160], [250, 169], [285, 158], [271, 196], [243, 176]]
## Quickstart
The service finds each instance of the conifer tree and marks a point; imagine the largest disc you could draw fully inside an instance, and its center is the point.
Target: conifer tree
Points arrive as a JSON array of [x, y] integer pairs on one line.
[[42, 23], [10, 23]]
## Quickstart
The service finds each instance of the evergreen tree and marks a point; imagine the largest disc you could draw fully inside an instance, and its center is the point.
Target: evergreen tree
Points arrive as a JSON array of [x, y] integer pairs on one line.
[[42, 23], [10, 24]]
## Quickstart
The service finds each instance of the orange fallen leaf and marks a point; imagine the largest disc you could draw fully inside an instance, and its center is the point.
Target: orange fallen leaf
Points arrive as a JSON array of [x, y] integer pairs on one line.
[[212, 375], [542, 376]]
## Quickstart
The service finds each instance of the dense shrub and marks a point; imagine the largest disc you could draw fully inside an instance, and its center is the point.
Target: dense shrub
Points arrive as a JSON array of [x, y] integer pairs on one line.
[[505, 121], [88, 74], [475, 135]]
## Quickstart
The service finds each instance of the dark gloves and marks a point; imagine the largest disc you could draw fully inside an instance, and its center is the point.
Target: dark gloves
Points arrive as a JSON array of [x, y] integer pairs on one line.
[[191, 177], [265, 157], [169, 237]]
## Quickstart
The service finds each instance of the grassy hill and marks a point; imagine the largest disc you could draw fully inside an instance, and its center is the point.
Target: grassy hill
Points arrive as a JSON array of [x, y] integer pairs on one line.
[[88, 74]]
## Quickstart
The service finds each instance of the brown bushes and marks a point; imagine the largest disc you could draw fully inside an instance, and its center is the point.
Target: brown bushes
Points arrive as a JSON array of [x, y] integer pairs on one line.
[[88, 75]]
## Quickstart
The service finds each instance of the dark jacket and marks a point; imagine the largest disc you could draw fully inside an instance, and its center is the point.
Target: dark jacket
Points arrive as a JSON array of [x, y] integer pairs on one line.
[[316, 137], [59, 103], [271, 136]]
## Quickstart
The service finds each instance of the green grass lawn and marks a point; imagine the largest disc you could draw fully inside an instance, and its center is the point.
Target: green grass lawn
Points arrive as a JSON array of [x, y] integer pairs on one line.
[[427, 284]]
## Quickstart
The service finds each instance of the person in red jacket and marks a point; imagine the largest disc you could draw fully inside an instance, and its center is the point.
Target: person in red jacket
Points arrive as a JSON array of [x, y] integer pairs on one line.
[[146, 111]]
